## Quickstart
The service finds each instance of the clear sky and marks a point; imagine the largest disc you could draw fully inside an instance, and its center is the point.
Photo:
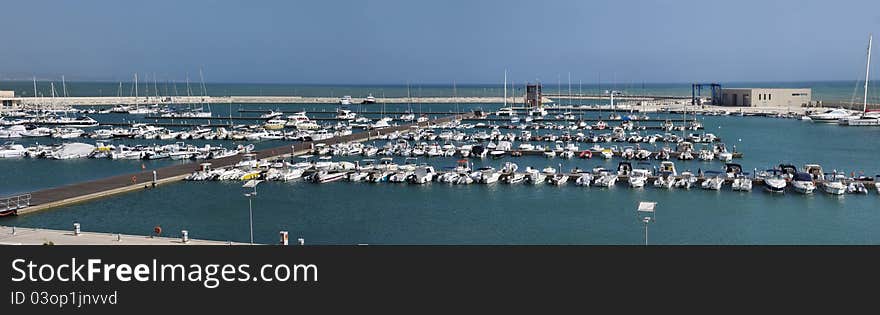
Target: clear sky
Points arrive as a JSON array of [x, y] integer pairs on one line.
[[439, 41]]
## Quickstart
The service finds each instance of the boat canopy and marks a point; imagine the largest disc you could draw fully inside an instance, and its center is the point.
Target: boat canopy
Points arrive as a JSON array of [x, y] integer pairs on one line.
[[803, 177]]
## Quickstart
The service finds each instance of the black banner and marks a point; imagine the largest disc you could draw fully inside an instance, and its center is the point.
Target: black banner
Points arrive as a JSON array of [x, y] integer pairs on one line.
[[103, 279]]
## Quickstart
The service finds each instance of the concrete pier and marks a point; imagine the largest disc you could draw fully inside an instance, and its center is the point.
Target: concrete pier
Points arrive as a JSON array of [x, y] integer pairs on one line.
[[32, 236]]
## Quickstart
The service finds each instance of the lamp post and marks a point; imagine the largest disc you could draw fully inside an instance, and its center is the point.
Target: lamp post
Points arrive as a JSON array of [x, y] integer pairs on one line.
[[251, 184], [646, 214]]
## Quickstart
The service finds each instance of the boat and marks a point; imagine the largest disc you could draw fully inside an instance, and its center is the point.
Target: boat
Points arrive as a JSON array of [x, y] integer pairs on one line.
[[72, 151], [12, 150], [774, 182], [271, 115], [422, 174], [664, 180], [866, 118], [830, 116], [585, 179], [856, 187], [325, 176], [275, 124], [515, 178], [834, 187], [638, 178], [715, 182], [686, 180], [345, 100], [803, 183], [369, 99], [535, 176], [345, 114], [741, 183]]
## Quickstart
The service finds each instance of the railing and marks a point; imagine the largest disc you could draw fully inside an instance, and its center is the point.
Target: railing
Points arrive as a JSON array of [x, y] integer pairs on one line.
[[15, 202]]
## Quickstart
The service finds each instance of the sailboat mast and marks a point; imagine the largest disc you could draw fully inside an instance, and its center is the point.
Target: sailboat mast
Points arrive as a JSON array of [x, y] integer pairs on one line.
[[505, 87], [867, 72]]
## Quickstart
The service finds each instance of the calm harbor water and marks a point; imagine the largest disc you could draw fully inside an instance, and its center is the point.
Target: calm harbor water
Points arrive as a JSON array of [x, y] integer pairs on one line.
[[350, 213]]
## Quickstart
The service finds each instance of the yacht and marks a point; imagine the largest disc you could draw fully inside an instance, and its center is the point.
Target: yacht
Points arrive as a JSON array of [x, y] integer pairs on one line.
[[275, 124], [535, 176], [505, 111], [831, 115], [345, 100], [584, 180], [713, 183], [369, 100]]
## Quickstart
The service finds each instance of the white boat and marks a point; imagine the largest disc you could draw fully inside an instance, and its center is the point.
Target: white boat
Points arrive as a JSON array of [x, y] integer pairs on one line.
[[741, 183], [72, 151], [638, 178], [585, 180], [515, 178], [369, 100], [422, 174], [831, 115], [865, 118], [345, 114], [327, 176], [803, 183], [776, 184], [534, 176], [275, 124], [345, 100], [271, 114], [12, 150], [713, 183], [834, 187]]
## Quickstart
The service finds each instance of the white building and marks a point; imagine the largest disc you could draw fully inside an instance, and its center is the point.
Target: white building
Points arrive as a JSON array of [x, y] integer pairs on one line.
[[765, 97]]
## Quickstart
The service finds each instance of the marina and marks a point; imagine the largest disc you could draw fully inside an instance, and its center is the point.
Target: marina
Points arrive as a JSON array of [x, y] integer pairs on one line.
[[410, 148]]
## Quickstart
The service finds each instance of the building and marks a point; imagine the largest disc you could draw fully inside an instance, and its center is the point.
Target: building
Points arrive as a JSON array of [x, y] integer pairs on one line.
[[765, 97], [534, 96], [8, 100]]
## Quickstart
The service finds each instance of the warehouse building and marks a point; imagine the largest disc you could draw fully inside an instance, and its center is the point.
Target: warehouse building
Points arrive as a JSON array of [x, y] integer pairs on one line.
[[765, 97], [8, 101]]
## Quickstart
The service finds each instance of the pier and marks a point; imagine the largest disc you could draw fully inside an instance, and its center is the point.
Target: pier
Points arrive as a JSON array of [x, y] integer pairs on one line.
[[148, 179], [10, 235]]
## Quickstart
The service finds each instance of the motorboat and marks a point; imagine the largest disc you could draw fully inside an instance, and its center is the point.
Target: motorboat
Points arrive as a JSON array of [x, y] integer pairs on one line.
[[12, 150], [741, 183], [831, 115], [803, 183], [535, 176], [774, 181], [370, 99], [72, 151], [834, 187], [686, 180], [422, 174], [664, 180], [713, 183], [325, 176], [345, 100], [271, 114], [638, 178], [585, 179], [275, 124], [856, 187]]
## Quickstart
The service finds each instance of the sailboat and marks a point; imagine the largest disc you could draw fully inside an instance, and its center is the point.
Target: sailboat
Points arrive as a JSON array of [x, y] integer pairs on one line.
[[866, 118]]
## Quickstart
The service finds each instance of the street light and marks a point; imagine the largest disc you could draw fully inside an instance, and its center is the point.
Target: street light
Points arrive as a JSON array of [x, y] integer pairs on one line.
[[646, 214], [251, 184]]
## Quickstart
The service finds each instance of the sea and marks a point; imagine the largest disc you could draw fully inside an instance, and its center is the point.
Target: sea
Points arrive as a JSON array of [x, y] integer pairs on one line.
[[359, 213]]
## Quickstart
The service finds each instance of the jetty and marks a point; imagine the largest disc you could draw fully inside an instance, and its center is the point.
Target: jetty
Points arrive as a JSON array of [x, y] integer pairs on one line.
[[11, 235], [148, 179]]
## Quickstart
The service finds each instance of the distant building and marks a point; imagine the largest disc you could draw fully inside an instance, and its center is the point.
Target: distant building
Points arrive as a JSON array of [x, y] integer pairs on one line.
[[533, 95], [8, 100], [765, 97]]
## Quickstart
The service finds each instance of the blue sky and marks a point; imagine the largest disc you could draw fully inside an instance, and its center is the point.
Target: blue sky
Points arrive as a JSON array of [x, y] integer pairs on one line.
[[437, 41]]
